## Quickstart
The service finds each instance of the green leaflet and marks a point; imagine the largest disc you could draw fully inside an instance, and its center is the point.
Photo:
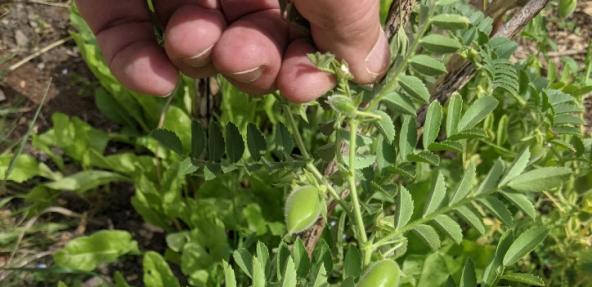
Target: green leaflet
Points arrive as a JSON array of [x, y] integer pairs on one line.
[[524, 278], [471, 218], [255, 141], [477, 112], [450, 227], [198, 139], [464, 187], [386, 126], [405, 206], [524, 244], [414, 87], [427, 65], [407, 137], [540, 179], [522, 202], [518, 166], [440, 44], [229, 277], [436, 196], [235, 146], [432, 124], [490, 182], [429, 235], [169, 140], [453, 114], [451, 21], [499, 209], [468, 277]]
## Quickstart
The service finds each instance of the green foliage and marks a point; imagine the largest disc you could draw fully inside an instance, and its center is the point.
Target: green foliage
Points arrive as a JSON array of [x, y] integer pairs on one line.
[[86, 253]]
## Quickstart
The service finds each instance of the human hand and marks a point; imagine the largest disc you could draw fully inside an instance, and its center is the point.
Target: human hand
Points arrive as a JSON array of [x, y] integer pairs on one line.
[[245, 40]]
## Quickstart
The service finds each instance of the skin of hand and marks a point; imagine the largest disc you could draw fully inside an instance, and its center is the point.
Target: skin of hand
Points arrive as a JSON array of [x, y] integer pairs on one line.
[[245, 40]]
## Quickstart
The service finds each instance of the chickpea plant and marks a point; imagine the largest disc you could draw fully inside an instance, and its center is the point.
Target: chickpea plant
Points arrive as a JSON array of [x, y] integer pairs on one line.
[[386, 185]]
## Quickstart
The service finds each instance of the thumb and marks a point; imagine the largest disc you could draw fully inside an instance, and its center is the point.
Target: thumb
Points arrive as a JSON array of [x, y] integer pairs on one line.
[[351, 30]]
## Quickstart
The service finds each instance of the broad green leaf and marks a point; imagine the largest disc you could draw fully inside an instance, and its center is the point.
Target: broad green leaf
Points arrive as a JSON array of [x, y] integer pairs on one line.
[[540, 179], [468, 277], [352, 264], [523, 278], [255, 141], [242, 258], [440, 44], [498, 209], [567, 7], [235, 146], [429, 235], [258, 274], [450, 227], [405, 206], [400, 103], [453, 114], [157, 272], [198, 139], [87, 252], [215, 142], [386, 126], [414, 87], [229, 277], [433, 120], [477, 112], [464, 187], [425, 156], [522, 202], [289, 274], [517, 168], [361, 161], [24, 167], [436, 196], [524, 244], [168, 139], [471, 218], [407, 137], [451, 21], [490, 182], [427, 65], [85, 180]]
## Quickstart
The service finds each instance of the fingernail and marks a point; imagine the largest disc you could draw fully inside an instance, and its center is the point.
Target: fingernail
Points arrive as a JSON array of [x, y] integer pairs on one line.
[[378, 58], [200, 60], [248, 76]]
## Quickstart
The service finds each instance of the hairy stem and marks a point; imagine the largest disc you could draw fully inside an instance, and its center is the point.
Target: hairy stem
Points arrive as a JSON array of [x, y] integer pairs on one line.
[[351, 178]]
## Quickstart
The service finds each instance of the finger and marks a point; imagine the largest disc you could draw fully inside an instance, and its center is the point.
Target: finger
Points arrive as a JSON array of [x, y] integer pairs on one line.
[[249, 53], [125, 35], [166, 8], [351, 30], [234, 9], [190, 36], [299, 80]]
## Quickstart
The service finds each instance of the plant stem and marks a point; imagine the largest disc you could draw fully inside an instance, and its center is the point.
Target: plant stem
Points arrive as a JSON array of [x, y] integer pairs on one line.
[[351, 177], [309, 165]]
